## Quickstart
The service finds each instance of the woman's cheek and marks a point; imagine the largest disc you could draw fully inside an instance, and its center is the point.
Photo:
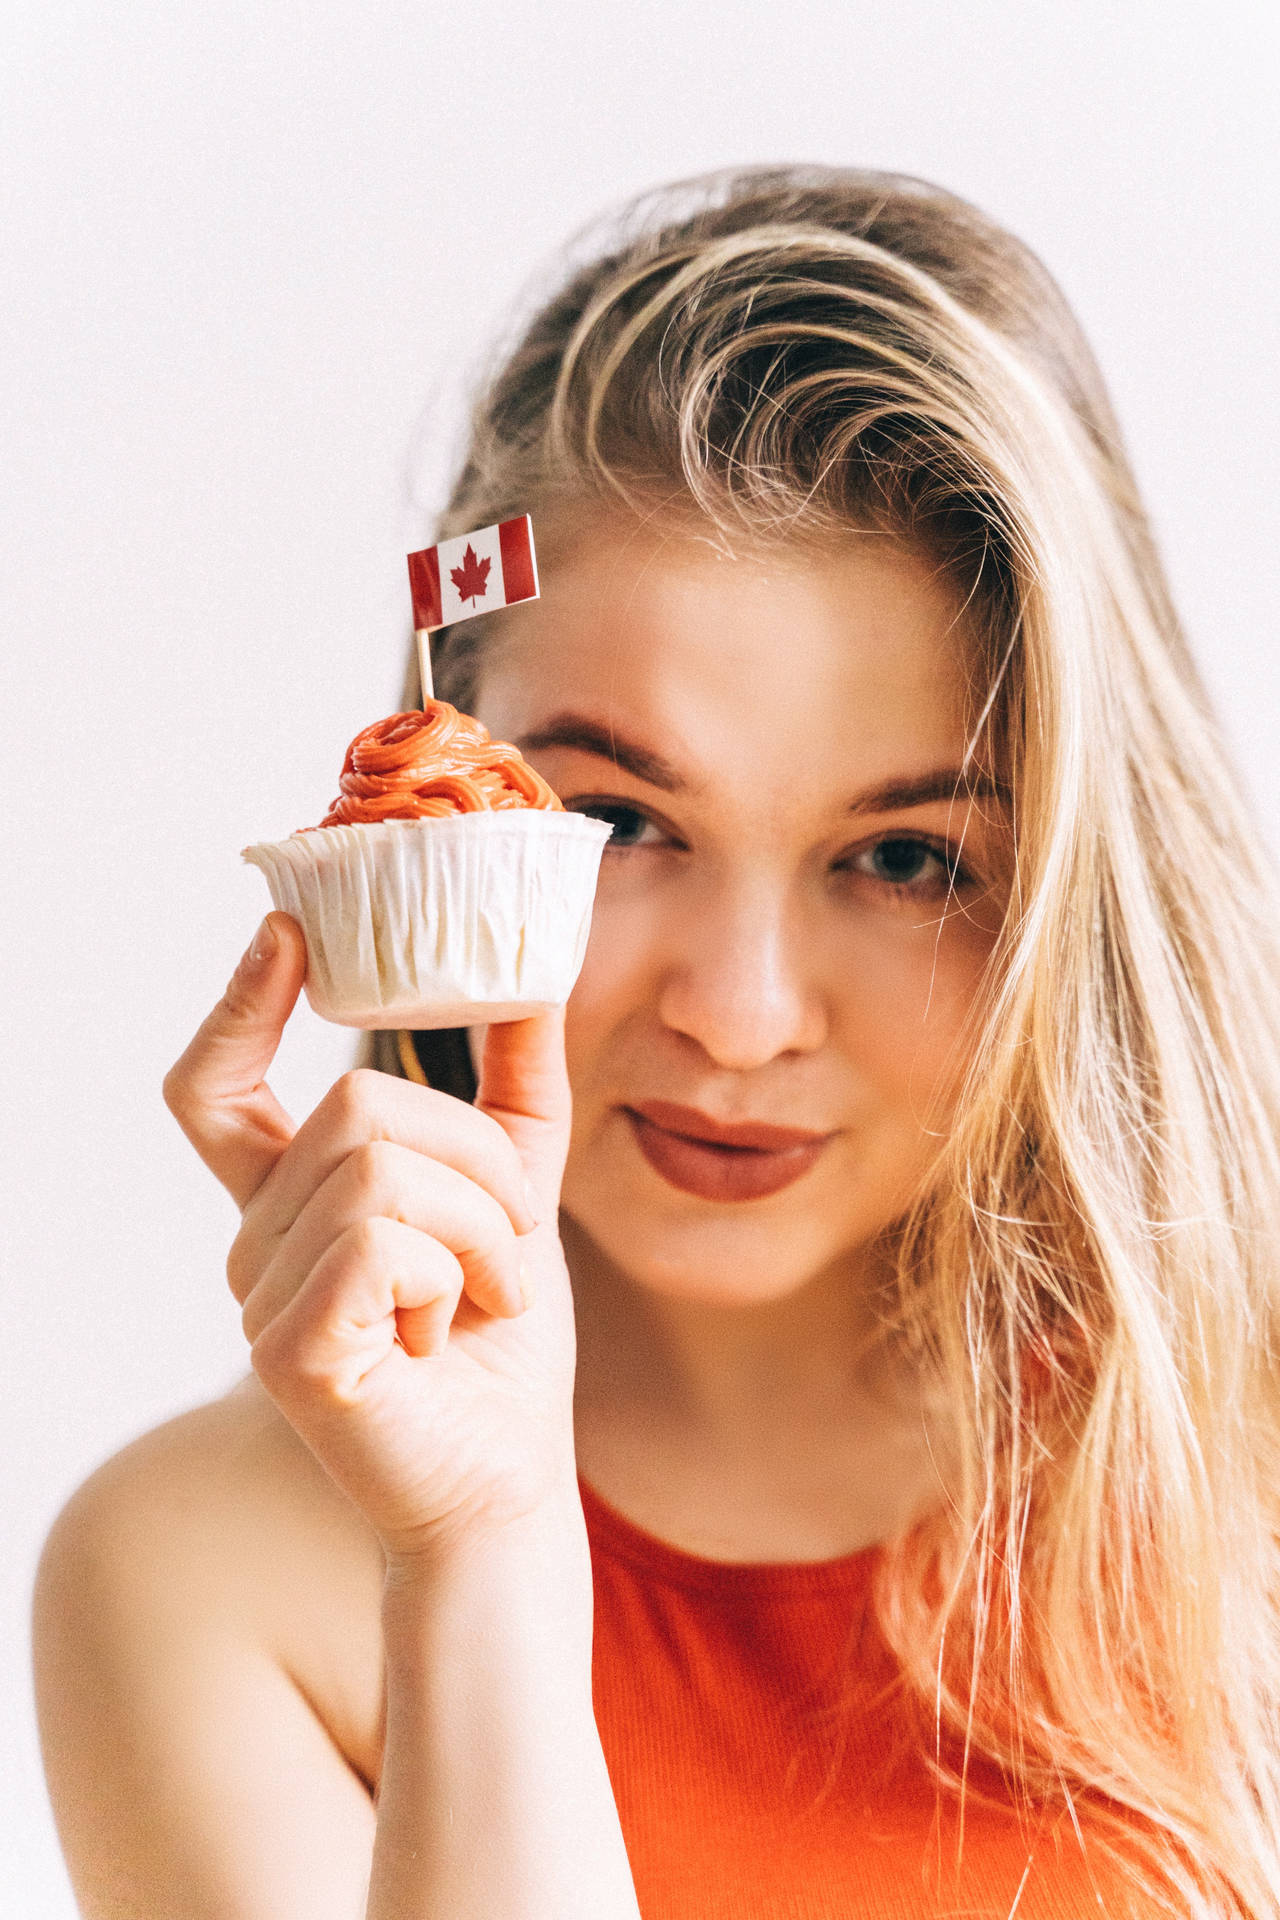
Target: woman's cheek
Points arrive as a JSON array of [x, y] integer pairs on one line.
[[907, 998], [613, 988]]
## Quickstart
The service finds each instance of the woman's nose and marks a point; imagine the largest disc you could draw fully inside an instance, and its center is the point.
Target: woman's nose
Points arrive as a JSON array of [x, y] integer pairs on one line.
[[741, 984]]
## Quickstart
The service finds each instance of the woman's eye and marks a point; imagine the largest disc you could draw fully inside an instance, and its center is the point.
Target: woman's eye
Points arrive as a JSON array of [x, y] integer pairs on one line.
[[912, 868], [629, 824]]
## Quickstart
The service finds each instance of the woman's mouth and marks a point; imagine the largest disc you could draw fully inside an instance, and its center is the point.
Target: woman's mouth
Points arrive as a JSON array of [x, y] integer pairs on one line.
[[717, 1161]]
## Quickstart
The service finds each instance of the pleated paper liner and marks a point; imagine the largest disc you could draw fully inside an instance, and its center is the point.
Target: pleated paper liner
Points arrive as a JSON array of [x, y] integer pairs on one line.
[[466, 920]]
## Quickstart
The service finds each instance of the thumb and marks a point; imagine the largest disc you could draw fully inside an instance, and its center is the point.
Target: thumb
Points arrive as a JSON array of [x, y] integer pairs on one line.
[[524, 1086], [216, 1090]]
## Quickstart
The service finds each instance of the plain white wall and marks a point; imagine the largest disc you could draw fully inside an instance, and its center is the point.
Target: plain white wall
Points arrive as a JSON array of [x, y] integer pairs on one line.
[[253, 256]]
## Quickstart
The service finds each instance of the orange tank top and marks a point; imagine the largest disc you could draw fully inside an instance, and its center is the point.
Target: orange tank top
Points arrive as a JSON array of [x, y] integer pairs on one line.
[[743, 1791]]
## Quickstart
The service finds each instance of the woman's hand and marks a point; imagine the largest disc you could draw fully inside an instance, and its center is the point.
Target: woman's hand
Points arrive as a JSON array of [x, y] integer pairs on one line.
[[381, 1255]]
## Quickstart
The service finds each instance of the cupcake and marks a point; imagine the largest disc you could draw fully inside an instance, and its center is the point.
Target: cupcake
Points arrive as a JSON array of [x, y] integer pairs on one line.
[[445, 887]]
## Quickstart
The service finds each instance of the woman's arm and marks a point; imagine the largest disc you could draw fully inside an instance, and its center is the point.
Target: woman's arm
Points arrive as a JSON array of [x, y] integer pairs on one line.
[[191, 1773], [410, 1314], [495, 1802], [191, 1777]]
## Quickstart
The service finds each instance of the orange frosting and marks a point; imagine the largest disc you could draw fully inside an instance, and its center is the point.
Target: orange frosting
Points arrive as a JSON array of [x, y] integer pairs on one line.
[[422, 766]]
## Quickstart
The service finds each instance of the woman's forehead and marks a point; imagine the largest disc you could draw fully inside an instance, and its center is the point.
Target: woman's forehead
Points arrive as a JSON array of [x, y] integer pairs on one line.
[[848, 653]]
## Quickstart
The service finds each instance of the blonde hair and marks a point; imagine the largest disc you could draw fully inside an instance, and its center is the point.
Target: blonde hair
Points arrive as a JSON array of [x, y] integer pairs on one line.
[[1092, 1272]]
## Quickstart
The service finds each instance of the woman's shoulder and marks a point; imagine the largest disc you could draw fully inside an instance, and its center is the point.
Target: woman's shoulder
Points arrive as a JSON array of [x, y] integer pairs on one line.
[[229, 1473], [222, 1519]]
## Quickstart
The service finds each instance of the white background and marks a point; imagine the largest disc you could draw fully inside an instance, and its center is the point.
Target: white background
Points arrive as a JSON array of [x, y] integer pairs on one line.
[[253, 256]]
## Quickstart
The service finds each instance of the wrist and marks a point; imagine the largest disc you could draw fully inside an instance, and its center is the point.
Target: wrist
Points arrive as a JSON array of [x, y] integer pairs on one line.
[[550, 1498], [540, 1554]]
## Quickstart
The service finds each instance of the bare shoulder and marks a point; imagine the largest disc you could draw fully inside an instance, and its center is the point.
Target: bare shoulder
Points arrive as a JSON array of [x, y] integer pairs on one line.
[[222, 1521]]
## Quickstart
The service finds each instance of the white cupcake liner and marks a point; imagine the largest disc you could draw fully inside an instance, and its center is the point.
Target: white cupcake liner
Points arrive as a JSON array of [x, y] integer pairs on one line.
[[465, 920]]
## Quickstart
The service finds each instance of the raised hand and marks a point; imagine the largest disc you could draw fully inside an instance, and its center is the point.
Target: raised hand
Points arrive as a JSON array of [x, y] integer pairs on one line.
[[385, 1250]]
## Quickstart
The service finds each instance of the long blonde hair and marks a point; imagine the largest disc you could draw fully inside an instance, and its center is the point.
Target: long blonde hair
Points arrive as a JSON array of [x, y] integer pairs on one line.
[[1092, 1272]]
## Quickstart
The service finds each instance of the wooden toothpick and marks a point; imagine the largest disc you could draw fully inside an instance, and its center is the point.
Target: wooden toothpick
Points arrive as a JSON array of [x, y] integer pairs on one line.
[[423, 637]]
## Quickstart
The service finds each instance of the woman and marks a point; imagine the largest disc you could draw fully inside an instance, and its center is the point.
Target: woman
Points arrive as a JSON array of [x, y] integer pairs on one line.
[[829, 1466]]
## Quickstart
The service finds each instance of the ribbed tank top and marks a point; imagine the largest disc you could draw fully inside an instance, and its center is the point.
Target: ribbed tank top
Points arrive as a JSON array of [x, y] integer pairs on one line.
[[745, 1793]]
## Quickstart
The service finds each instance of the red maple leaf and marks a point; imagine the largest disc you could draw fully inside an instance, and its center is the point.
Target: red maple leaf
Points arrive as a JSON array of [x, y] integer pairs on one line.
[[470, 577]]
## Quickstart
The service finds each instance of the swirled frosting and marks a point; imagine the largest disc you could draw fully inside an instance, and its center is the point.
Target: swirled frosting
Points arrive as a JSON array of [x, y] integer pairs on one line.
[[422, 766]]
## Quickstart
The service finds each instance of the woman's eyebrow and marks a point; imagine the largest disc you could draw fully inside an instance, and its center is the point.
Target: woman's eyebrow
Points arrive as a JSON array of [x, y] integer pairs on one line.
[[944, 783], [579, 731], [590, 736]]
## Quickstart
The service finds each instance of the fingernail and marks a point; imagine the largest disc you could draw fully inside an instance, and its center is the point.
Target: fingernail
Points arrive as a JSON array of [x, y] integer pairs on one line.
[[261, 947]]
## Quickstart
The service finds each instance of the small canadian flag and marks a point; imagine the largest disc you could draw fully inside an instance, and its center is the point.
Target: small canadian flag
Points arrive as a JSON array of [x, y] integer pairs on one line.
[[473, 573]]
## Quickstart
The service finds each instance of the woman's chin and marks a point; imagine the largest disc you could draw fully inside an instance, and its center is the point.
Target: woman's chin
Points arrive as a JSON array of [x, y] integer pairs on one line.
[[714, 1263]]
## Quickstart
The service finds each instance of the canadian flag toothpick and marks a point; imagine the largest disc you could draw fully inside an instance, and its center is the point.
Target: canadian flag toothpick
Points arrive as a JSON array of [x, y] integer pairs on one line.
[[472, 573]]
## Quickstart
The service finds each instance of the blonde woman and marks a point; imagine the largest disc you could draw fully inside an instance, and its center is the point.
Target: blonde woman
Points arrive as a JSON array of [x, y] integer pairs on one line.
[[873, 1510]]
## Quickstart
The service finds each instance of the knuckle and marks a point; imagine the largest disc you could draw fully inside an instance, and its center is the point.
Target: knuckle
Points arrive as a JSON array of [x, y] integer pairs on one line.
[[252, 1321], [369, 1242], [236, 1005], [292, 1359], [283, 1356], [500, 1149], [372, 1167], [497, 1225], [175, 1089], [272, 1355], [354, 1098], [242, 1267], [489, 1247], [499, 1246]]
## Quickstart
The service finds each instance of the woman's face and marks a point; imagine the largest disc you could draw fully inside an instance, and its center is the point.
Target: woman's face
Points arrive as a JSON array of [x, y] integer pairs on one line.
[[794, 912]]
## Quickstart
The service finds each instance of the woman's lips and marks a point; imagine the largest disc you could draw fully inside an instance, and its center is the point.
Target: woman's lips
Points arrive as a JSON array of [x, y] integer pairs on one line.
[[717, 1161]]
